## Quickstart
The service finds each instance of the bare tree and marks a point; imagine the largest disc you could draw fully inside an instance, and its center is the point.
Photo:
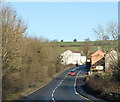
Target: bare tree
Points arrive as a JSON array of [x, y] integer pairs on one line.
[[26, 61], [110, 32], [100, 33], [13, 29], [87, 48]]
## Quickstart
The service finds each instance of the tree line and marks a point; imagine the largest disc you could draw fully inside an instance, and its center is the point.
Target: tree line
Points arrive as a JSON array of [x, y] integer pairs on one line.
[[25, 61]]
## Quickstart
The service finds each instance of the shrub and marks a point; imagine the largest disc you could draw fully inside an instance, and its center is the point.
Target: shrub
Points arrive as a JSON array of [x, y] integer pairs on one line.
[[75, 40]]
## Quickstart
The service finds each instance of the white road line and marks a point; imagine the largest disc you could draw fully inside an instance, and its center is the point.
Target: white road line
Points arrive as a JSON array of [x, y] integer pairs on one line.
[[58, 86], [41, 86], [53, 99], [53, 91], [75, 83], [61, 83], [76, 90], [52, 95]]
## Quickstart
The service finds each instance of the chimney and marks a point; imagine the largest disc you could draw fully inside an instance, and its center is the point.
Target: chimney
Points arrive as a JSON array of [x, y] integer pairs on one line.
[[99, 49]]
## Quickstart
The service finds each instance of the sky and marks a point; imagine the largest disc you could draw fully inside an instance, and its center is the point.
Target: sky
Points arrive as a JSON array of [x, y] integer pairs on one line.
[[65, 20]]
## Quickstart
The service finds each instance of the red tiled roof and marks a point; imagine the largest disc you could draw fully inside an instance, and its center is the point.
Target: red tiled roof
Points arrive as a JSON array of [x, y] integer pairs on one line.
[[98, 55], [75, 51], [99, 52]]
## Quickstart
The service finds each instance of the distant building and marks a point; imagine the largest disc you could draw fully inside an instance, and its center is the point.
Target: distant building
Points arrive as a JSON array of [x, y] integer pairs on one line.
[[111, 58], [72, 57]]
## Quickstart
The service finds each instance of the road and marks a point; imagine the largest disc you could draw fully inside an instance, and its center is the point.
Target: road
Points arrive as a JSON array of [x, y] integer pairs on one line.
[[61, 88]]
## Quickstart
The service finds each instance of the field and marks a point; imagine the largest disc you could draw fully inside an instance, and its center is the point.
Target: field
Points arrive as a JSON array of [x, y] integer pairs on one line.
[[71, 43], [106, 45]]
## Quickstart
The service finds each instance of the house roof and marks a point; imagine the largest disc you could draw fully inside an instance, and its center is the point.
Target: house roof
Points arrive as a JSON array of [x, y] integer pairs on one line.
[[82, 54], [67, 51], [99, 52], [112, 54], [98, 55], [75, 51]]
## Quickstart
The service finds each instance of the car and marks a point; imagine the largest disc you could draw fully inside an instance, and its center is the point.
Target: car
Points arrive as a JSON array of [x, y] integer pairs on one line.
[[72, 73]]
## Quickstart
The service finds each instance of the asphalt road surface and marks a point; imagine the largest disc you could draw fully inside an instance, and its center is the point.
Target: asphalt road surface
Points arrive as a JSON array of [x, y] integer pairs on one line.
[[61, 88]]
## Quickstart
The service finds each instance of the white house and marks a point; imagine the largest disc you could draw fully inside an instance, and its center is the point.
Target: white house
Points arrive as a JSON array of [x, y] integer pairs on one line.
[[83, 58], [72, 57], [67, 57]]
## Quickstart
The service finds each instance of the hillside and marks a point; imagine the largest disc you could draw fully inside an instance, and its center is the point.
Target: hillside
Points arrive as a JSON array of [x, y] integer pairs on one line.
[[107, 45]]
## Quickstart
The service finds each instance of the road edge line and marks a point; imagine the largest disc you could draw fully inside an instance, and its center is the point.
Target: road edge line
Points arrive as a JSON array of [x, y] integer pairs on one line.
[[76, 89]]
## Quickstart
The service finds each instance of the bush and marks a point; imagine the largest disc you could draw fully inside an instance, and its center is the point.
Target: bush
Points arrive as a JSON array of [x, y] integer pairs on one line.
[[102, 87], [75, 40], [61, 40]]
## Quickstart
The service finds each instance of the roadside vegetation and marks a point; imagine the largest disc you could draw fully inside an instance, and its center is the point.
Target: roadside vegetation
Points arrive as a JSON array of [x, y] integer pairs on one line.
[[106, 85], [28, 63]]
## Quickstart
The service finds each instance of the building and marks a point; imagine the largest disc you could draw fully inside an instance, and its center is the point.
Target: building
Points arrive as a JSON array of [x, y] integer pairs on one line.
[[111, 58], [83, 58], [98, 60], [72, 57]]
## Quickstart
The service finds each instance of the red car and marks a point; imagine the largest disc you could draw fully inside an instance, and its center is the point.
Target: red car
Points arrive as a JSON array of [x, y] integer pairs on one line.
[[72, 73]]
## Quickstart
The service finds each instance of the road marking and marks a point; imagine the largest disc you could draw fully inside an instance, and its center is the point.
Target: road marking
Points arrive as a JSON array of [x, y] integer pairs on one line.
[[52, 95], [41, 86], [75, 83], [53, 99], [76, 90], [74, 87], [58, 86]]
